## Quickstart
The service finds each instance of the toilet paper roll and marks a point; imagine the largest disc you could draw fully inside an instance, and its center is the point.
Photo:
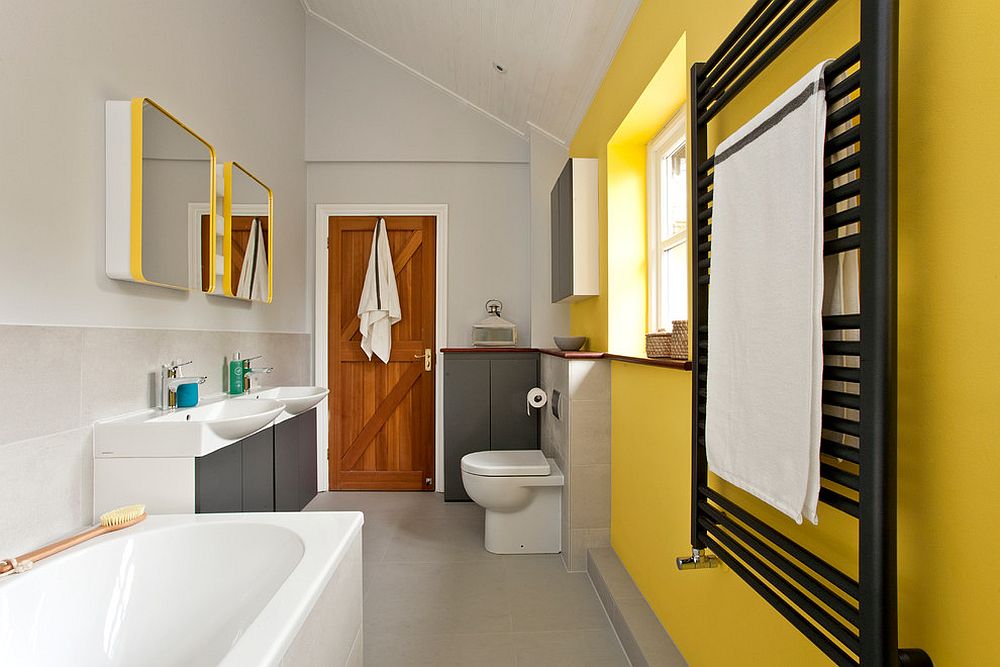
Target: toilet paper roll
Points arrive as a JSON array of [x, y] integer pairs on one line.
[[537, 398]]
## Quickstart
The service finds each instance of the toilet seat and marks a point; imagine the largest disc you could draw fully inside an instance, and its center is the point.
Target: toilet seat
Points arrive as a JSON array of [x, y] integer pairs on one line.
[[507, 463]]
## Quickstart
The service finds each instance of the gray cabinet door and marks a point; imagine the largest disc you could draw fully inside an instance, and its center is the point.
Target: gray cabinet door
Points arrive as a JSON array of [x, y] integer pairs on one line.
[[218, 479], [511, 427], [562, 235], [295, 462], [307, 457], [466, 417], [258, 471], [286, 466], [554, 241]]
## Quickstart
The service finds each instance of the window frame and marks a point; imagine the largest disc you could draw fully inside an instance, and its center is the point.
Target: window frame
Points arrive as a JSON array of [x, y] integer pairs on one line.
[[672, 137]]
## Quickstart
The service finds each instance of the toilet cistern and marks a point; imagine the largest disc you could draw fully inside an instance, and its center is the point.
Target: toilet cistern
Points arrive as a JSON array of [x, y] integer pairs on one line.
[[169, 382]]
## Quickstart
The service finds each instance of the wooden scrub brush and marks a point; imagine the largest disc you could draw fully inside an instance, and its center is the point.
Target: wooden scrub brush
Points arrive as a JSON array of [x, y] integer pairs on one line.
[[116, 519]]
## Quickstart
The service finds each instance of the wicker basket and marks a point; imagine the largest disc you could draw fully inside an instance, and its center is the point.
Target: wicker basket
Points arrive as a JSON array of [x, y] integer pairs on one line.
[[678, 345], [658, 345]]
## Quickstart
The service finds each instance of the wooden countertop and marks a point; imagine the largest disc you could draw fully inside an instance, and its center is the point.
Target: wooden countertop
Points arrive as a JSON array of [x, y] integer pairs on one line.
[[677, 364]]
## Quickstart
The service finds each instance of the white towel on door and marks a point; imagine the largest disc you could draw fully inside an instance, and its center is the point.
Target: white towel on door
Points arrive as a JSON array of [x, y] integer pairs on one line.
[[379, 306], [765, 334]]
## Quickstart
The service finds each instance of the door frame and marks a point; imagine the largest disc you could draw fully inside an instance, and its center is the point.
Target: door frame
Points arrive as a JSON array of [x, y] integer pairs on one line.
[[320, 323]]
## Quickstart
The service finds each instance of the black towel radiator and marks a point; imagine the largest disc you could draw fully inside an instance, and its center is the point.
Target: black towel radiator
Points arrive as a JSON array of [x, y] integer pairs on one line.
[[851, 621]]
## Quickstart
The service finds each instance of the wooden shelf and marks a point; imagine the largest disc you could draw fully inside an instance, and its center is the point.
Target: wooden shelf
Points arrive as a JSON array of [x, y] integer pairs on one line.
[[676, 364]]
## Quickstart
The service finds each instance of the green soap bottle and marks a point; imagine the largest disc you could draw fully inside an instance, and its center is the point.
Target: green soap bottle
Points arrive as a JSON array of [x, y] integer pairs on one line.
[[235, 374]]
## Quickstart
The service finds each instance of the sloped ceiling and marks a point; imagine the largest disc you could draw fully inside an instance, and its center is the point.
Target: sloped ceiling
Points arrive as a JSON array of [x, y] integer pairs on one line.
[[554, 52]]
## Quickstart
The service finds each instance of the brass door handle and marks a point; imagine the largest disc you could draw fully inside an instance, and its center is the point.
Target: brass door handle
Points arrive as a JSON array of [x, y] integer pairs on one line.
[[426, 356]]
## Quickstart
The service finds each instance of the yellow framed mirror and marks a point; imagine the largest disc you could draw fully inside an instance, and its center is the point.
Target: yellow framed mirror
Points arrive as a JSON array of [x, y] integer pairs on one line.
[[247, 237], [157, 169]]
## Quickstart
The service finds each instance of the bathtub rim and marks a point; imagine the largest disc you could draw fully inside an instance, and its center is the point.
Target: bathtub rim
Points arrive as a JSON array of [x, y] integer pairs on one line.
[[326, 537]]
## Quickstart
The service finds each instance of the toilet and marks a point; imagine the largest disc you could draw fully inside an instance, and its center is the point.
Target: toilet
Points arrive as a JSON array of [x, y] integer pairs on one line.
[[521, 491]]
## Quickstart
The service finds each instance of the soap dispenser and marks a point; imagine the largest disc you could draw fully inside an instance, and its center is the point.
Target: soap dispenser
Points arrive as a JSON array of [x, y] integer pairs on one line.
[[235, 374]]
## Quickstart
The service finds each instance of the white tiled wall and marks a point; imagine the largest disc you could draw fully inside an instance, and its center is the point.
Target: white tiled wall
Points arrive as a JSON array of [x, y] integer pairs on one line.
[[580, 441], [56, 381]]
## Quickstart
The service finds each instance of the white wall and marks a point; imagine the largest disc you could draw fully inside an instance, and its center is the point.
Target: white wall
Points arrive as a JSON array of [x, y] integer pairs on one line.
[[547, 319], [361, 107], [234, 71], [376, 134], [231, 69], [487, 227]]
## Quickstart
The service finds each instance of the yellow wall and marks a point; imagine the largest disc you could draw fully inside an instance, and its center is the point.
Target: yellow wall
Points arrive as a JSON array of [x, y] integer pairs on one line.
[[949, 421]]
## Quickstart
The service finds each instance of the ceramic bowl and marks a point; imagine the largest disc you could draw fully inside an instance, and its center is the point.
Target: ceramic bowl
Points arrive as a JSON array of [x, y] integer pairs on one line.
[[570, 343]]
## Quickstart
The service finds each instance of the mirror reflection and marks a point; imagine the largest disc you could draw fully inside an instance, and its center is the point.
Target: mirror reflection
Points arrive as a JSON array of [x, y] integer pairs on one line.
[[177, 171], [244, 234]]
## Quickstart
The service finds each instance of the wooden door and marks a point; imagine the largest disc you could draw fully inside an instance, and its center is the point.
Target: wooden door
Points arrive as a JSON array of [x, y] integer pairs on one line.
[[382, 415]]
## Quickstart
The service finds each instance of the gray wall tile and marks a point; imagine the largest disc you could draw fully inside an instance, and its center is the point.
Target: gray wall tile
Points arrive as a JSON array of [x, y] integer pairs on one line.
[[39, 363], [48, 486], [590, 496], [86, 374], [590, 431], [590, 380]]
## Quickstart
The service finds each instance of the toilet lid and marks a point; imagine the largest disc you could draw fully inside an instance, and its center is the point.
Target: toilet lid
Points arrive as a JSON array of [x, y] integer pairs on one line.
[[506, 463]]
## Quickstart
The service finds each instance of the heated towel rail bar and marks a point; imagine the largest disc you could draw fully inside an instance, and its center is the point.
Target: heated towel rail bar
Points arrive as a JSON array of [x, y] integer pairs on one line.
[[852, 621]]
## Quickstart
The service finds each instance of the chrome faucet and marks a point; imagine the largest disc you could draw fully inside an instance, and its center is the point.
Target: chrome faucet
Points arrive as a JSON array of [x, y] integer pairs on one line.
[[169, 382], [249, 371]]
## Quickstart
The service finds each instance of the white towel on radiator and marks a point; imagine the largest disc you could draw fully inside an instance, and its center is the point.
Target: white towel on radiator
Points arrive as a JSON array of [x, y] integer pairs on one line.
[[765, 333], [379, 306]]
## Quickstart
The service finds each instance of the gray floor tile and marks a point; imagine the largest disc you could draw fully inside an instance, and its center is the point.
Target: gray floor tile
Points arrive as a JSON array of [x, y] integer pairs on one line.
[[435, 596], [481, 650], [573, 648], [543, 596], [438, 540]]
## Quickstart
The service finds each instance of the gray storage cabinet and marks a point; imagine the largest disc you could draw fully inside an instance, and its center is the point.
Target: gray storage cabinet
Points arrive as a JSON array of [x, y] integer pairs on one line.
[[561, 200], [273, 469], [485, 407], [574, 238]]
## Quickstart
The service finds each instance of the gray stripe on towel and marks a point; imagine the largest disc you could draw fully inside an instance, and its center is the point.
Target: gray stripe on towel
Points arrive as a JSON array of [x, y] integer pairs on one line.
[[776, 118]]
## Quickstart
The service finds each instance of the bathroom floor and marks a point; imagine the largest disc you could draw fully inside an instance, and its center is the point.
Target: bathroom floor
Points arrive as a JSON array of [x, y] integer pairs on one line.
[[435, 596]]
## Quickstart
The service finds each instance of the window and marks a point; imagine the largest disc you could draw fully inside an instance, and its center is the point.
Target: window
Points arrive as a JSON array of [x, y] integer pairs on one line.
[[667, 208]]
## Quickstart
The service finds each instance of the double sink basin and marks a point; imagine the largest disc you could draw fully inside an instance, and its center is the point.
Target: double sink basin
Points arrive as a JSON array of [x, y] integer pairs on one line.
[[201, 430]]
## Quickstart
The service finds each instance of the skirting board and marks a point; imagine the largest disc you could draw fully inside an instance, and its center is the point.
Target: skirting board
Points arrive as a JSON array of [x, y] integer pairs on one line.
[[646, 642]]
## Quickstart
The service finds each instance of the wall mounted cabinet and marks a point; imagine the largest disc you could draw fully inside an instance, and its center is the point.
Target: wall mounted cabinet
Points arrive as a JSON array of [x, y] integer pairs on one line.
[[156, 169], [485, 407], [574, 232]]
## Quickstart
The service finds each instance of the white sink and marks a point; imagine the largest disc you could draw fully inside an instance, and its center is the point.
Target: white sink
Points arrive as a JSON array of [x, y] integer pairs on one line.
[[184, 432], [296, 399]]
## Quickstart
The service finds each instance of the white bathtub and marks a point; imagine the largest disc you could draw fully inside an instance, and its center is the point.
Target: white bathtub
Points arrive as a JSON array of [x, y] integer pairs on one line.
[[209, 589]]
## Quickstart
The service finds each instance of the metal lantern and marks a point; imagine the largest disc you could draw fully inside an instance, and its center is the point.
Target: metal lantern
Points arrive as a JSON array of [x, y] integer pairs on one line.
[[493, 330]]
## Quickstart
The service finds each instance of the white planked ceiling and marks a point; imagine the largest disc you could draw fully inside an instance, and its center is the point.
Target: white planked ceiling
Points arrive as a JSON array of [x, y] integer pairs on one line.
[[556, 52]]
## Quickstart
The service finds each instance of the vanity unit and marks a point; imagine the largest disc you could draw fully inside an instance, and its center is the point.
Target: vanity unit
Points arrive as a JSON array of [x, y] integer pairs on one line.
[[245, 454], [272, 470], [485, 407]]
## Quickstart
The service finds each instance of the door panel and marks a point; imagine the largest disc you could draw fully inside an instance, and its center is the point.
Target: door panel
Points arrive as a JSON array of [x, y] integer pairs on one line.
[[286, 466], [307, 457], [511, 427], [466, 418], [258, 471], [566, 231], [382, 415], [219, 480]]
